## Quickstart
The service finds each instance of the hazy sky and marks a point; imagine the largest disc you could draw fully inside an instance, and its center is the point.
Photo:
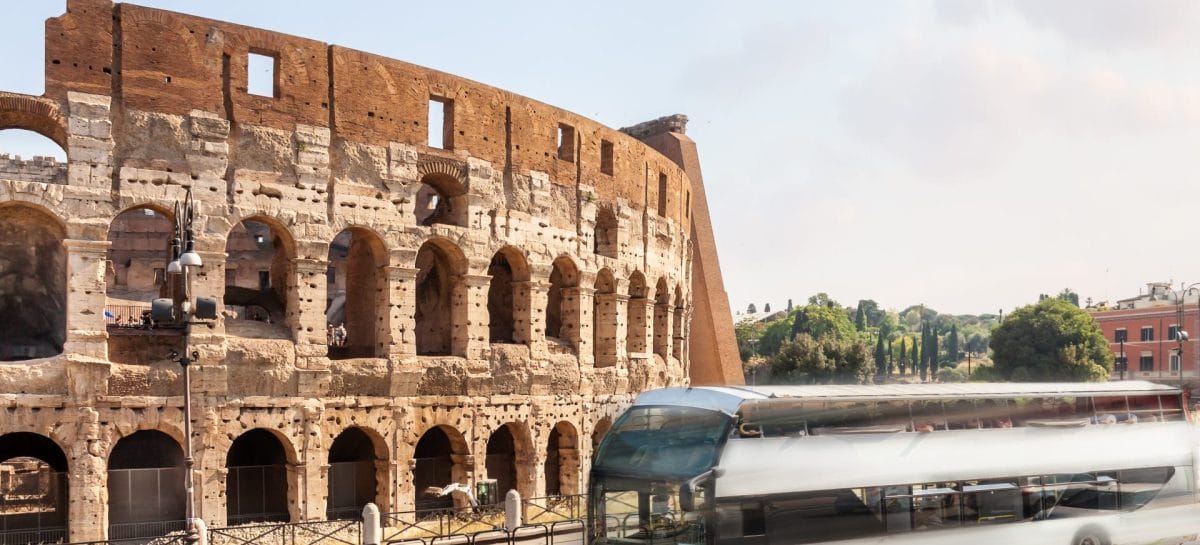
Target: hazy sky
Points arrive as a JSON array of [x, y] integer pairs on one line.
[[965, 155]]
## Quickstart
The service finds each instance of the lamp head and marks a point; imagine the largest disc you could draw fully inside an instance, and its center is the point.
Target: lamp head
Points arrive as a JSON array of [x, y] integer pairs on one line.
[[190, 258], [174, 267]]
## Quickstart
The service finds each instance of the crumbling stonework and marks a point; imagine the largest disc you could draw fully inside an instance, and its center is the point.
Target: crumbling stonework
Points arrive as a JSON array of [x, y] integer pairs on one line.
[[504, 294]]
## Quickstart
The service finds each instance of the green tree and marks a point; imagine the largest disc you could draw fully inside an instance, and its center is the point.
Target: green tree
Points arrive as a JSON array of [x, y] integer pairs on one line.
[[1068, 295], [860, 318], [932, 353], [903, 359], [789, 307], [773, 335], [751, 309], [914, 358], [827, 360], [822, 299], [819, 320], [1053, 340], [952, 344], [891, 363], [767, 308], [748, 334], [880, 360], [977, 343]]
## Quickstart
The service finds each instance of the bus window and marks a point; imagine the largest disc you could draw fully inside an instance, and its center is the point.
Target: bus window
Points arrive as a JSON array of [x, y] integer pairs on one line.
[[1140, 486], [1144, 408], [892, 413], [930, 506], [928, 416], [827, 515], [897, 508], [991, 501], [1080, 494], [1172, 408], [1110, 405]]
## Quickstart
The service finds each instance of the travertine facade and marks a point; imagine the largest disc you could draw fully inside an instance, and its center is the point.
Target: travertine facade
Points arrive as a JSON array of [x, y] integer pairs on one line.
[[504, 291]]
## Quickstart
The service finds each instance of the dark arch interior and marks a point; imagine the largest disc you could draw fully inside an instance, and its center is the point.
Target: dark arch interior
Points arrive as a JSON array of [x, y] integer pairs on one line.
[[501, 461], [553, 465], [33, 278], [145, 485], [434, 287], [257, 486], [433, 468], [33, 490], [354, 287], [352, 482], [257, 272], [605, 242], [500, 300]]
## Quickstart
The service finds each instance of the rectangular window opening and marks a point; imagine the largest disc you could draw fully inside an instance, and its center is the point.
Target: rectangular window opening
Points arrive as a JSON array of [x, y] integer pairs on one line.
[[1174, 362], [606, 157], [441, 122], [662, 194], [261, 74], [1146, 363], [264, 280], [687, 204], [1121, 336], [1148, 333], [1173, 332], [566, 142]]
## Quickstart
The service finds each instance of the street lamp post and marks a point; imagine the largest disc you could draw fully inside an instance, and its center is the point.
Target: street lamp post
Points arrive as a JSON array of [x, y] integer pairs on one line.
[[1122, 364], [179, 310], [1181, 335]]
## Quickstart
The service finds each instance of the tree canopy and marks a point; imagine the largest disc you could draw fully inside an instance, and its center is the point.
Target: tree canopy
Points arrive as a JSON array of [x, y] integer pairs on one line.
[[1053, 340], [824, 360]]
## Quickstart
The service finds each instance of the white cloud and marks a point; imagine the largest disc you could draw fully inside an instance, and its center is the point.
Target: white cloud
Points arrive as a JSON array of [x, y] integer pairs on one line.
[[1114, 24]]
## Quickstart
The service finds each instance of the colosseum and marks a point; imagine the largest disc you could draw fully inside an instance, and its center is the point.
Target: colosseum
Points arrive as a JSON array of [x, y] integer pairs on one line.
[[420, 280]]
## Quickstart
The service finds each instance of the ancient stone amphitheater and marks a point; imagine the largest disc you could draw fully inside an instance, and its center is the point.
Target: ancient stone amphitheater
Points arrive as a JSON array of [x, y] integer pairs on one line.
[[507, 275]]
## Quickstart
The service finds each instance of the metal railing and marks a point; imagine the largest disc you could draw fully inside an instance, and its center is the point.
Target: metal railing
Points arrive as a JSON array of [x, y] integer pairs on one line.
[[34, 536], [429, 525], [145, 530], [554, 508], [334, 532]]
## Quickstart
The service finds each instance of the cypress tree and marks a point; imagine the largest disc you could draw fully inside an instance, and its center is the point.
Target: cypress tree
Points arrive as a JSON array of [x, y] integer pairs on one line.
[[924, 351], [903, 357], [789, 308], [933, 351], [767, 308], [952, 343], [891, 363], [860, 318], [880, 362]]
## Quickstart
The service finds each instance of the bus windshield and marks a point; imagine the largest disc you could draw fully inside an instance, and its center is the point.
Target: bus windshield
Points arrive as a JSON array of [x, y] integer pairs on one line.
[[663, 441]]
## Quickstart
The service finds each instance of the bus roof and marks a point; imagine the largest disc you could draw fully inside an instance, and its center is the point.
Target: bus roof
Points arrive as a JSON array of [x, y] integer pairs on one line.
[[729, 399]]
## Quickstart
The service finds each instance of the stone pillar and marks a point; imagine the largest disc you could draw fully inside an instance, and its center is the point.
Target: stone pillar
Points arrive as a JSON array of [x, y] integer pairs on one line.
[[210, 375], [87, 480], [306, 313], [605, 330], [538, 295], [568, 466], [678, 340], [402, 296], [662, 330], [383, 484], [522, 313], [620, 317], [89, 141], [469, 317], [87, 333], [576, 325], [641, 310]]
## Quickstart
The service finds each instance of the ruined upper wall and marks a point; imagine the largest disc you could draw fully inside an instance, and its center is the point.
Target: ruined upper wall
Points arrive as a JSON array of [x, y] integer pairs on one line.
[[169, 63]]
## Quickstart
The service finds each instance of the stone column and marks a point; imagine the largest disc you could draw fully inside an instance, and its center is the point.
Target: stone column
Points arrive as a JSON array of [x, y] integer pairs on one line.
[[522, 313], [538, 296], [568, 462], [662, 330], [582, 335], [306, 313], [87, 480], [87, 333], [620, 317], [402, 296], [641, 309], [89, 141], [469, 317], [605, 330], [210, 375]]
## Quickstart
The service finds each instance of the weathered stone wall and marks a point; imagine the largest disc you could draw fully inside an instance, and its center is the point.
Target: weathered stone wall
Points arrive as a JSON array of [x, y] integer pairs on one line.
[[149, 104]]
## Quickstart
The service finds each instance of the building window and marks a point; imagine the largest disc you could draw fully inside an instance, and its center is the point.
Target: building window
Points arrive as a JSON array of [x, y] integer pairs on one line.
[[1174, 359], [1121, 363], [1173, 332], [1148, 333], [566, 142], [1121, 336], [441, 123], [606, 157], [1146, 363], [261, 70], [264, 280], [662, 194]]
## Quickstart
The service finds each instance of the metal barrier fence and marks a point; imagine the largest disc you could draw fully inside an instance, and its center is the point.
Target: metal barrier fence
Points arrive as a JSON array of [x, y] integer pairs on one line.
[[145, 530], [563, 532], [334, 532], [37, 535], [433, 524], [554, 508]]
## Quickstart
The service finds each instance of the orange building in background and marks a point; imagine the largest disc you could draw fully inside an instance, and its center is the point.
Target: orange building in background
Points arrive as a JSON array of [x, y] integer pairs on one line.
[[1146, 328]]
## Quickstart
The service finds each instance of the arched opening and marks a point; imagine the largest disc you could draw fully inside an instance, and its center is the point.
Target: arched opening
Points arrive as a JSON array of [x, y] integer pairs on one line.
[[146, 497], [677, 336], [352, 475], [562, 307], [605, 242], [38, 118], [562, 461], [438, 463], [598, 433], [135, 272], [636, 322], [505, 311], [439, 266], [662, 319], [33, 489], [256, 488], [258, 279], [508, 460], [30, 157], [357, 304], [33, 278], [441, 198], [604, 313]]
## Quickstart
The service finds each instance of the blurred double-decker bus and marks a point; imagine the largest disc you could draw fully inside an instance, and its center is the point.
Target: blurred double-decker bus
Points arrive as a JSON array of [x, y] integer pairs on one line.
[[1060, 463]]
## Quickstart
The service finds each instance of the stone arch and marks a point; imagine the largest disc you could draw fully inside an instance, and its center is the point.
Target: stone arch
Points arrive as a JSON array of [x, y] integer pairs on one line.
[[35, 466], [605, 241], [662, 319], [678, 336], [260, 290], [439, 460], [261, 469], [440, 265], [442, 194], [357, 295], [509, 459], [135, 267], [636, 319], [34, 114], [145, 485], [599, 431], [562, 306], [508, 304], [562, 460], [33, 283], [357, 473], [604, 313]]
